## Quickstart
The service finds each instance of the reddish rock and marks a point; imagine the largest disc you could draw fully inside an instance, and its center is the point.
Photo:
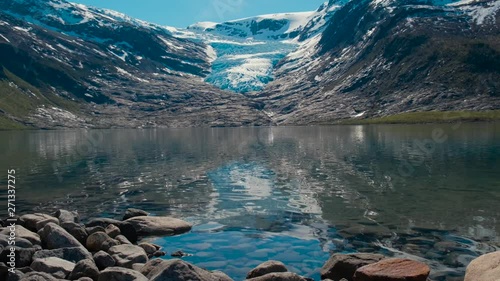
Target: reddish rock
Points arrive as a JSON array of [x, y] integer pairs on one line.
[[393, 270]]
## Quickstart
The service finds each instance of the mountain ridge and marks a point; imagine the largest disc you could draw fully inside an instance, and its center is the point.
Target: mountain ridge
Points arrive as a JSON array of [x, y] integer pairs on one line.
[[88, 67]]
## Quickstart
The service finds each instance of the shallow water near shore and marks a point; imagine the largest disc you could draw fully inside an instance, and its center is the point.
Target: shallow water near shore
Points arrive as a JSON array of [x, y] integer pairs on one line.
[[295, 194]]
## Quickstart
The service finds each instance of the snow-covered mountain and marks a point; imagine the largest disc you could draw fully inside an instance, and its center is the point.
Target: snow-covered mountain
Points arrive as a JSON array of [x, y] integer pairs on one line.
[[248, 49], [64, 64], [383, 57], [68, 65], [265, 27]]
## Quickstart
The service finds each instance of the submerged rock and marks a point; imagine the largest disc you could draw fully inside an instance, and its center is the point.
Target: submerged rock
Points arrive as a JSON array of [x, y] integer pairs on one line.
[[484, 268], [344, 266], [121, 274], [147, 226], [393, 270], [267, 267]]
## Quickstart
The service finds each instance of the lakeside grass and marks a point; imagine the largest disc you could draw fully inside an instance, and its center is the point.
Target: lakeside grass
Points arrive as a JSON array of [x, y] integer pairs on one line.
[[428, 117]]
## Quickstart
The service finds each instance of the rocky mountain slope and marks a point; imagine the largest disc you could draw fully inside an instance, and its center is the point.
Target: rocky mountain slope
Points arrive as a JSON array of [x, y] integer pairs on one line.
[[248, 49], [67, 65], [379, 58]]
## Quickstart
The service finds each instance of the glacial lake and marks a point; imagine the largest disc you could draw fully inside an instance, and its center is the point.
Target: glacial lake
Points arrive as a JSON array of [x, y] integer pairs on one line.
[[295, 194]]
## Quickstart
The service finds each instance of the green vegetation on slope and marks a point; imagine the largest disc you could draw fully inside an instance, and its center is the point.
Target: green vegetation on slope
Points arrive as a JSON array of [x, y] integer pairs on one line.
[[429, 117], [19, 99]]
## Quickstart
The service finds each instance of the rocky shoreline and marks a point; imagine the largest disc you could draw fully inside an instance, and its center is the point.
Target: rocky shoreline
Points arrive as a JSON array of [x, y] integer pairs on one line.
[[60, 247]]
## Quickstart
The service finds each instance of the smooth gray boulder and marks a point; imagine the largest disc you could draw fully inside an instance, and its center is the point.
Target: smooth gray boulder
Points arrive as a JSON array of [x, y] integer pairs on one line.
[[121, 274], [91, 230], [55, 237], [149, 226], [20, 242], [344, 266], [132, 213], [112, 230], [150, 249], [84, 268], [167, 270], [123, 240], [56, 267], [73, 254], [29, 221], [267, 267], [103, 260], [22, 232], [484, 268], [126, 255], [77, 230], [42, 223]]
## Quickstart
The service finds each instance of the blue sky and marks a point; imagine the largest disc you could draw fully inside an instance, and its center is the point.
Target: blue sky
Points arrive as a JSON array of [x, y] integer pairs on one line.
[[181, 13]]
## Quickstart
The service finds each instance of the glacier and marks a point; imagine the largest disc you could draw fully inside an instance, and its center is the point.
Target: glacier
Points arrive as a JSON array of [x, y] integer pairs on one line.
[[247, 50]]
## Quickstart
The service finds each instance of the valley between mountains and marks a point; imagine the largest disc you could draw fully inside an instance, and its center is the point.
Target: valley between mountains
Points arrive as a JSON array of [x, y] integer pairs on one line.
[[66, 65]]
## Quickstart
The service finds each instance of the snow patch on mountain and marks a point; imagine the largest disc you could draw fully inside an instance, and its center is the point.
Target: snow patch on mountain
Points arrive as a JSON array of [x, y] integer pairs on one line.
[[481, 12]]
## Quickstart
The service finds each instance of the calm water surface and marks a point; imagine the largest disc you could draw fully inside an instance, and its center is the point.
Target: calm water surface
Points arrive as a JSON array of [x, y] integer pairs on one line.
[[428, 192]]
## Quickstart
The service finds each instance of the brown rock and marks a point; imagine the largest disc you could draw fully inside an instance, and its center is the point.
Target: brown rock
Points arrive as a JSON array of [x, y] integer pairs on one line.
[[112, 230], [393, 270], [267, 267], [344, 266]]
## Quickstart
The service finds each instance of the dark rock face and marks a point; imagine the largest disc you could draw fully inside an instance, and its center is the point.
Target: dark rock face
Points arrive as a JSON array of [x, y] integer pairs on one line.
[[84, 268], [24, 256], [103, 260], [370, 63], [344, 266]]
